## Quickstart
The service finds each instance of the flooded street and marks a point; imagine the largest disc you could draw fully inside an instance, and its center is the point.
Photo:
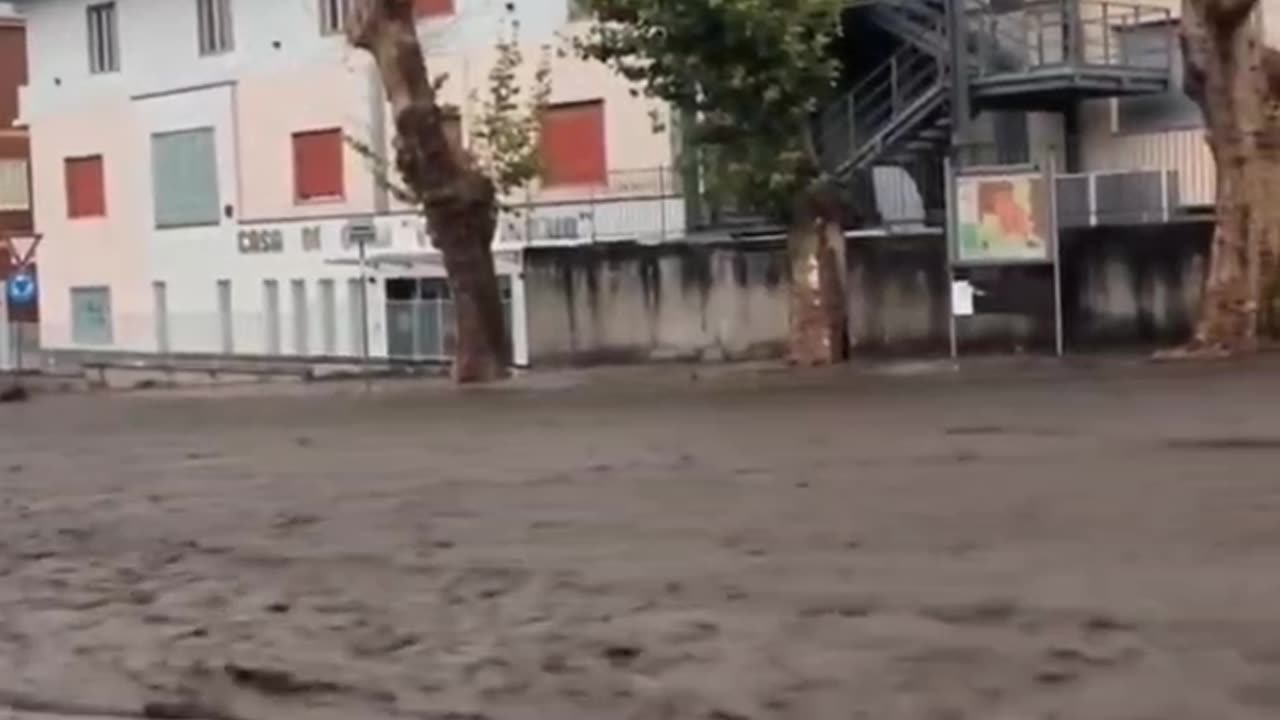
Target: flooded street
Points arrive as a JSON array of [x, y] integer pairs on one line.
[[1052, 545]]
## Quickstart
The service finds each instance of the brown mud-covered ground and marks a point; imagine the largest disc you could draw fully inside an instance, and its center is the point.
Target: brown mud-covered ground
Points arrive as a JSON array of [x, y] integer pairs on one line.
[[1000, 544]]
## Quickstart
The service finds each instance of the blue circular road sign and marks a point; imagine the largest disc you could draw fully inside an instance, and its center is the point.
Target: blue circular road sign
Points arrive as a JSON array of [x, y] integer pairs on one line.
[[21, 288]]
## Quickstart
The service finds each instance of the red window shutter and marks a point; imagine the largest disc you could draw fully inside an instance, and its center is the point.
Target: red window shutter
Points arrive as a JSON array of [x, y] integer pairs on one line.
[[432, 8], [317, 165], [86, 194], [573, 145]]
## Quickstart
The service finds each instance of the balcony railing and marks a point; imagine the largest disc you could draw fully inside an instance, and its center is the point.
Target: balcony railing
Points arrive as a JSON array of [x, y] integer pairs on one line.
[[1052, 33], [645, 205]]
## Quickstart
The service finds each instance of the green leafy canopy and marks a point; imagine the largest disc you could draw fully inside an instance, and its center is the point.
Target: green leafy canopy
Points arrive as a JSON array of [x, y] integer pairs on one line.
[[749, 74]]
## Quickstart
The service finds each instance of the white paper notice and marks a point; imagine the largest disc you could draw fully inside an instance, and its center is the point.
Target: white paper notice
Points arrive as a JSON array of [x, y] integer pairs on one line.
[[961, 298]]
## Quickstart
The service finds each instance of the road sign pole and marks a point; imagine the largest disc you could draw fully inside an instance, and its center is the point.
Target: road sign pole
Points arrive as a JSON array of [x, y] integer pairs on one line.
[[6, 338]]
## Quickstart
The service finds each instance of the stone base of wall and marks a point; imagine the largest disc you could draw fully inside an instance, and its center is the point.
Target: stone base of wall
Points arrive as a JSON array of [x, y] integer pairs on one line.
[[1130, 286]]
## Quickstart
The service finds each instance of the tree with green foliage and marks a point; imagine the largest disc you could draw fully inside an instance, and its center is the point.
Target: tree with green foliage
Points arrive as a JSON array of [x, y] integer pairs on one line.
[[747, 76]]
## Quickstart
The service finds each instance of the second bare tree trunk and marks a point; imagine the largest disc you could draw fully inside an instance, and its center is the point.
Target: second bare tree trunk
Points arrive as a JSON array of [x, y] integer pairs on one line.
[[815, 246], [1233, 77]]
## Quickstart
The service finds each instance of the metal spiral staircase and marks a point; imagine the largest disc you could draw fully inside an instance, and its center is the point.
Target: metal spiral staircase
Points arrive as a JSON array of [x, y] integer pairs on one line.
[[1023, 55]]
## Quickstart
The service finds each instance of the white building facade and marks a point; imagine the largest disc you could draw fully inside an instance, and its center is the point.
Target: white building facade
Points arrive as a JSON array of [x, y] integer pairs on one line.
[[198, 196]]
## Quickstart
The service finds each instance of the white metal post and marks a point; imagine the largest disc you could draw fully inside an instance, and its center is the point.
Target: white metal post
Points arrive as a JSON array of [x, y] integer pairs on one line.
[[950, 237], [1056, 234]]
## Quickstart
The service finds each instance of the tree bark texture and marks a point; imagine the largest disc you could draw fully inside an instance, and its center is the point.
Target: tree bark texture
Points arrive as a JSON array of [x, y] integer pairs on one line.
[[458, 200], [815, 245], [1236, 81]]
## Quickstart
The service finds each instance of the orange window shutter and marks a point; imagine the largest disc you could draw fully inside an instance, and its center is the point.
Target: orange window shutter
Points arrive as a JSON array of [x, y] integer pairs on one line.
[[573, 145], [317, 165], [86, 194], [432, 8]]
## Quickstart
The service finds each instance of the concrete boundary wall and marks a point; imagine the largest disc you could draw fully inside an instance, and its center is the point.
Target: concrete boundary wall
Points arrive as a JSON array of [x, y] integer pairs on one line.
[[625, 302]]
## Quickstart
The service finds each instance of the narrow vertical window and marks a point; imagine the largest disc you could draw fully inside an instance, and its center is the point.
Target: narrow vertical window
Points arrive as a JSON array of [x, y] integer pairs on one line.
[[104, 42], [333, 16], [271, 303], [328, 318], [160, 306], [226, 317], [214, 26], [356, 308], [301, 319]]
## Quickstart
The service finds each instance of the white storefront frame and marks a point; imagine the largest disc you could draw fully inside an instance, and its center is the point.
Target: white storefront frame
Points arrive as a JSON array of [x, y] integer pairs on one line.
[[312, 251]]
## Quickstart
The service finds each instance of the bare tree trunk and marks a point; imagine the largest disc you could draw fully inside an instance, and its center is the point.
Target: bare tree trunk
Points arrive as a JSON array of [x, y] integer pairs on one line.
[[815, 245], [458, 201], [1236, 81]]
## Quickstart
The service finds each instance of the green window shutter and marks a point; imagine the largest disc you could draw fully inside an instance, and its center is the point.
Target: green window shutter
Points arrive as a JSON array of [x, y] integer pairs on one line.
[[91, 316], [185, 172]]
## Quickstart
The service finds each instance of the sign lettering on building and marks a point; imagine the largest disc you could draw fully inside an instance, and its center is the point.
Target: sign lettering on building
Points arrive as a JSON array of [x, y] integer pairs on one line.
[[311, 241], [260, 241]]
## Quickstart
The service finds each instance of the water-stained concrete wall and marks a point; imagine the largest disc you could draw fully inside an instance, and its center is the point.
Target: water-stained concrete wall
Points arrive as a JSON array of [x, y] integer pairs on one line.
[[623, 302], [1126, 286], [1133, 286]]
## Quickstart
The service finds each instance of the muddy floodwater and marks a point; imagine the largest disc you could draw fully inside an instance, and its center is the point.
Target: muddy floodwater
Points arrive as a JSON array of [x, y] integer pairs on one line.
[[651, 544]]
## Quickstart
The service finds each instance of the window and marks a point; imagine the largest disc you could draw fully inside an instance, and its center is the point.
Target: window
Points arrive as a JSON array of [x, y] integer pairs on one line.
[[15, 190], [301, 319], [271, 303], [317, 165], [91, 316], [573, 145], [184, 174], [432, 8], [333, 16], [225, 320], [86, 194], [358, 319], [160, 305], [214, 26], [1156, 46], [329, 317], [104, 42]]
